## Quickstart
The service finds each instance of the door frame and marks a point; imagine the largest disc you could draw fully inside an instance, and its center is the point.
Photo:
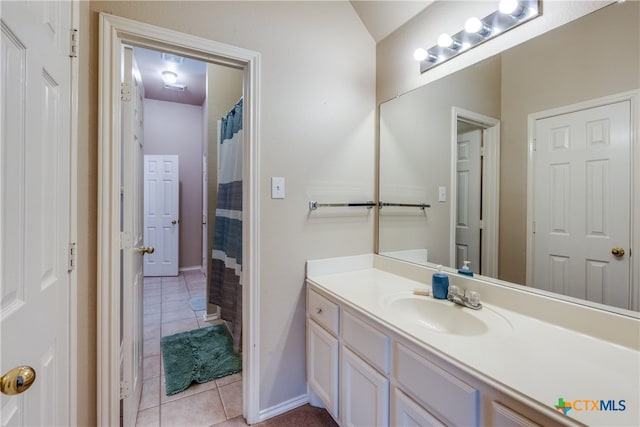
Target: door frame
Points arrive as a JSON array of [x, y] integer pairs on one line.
[[114, 32], [490, 187], [634, 265]]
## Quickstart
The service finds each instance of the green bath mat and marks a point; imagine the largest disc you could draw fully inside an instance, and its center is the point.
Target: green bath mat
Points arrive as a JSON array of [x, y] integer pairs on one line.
[[198, 356]]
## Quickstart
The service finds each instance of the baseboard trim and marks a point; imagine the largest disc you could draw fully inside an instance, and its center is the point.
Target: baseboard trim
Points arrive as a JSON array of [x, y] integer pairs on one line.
[[283, 407], [191, 268]]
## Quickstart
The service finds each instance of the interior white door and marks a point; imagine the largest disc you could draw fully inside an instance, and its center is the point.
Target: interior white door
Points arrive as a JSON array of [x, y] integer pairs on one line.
[[161, 209], [34, 214], [132, 231], [582, 204], [469, 193]]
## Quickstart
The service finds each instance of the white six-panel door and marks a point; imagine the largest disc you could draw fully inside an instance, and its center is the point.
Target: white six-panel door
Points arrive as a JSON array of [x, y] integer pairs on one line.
[[469, 192], [161, 209], [34, 210], [133, 248], [582, 204]]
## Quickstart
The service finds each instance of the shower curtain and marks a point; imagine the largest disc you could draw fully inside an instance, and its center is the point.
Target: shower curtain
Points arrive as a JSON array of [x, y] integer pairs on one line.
[[225, 286]]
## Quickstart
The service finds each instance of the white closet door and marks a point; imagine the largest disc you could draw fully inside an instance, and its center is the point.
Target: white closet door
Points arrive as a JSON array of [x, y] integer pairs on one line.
[[582, 204], [161, 208]]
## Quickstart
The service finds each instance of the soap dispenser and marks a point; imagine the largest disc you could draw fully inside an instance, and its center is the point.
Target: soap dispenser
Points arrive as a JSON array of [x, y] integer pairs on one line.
[[465, 269], [440, 284]]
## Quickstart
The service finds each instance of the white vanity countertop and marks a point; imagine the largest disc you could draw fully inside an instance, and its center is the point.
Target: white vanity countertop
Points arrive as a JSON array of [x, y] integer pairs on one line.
[[534, 358]]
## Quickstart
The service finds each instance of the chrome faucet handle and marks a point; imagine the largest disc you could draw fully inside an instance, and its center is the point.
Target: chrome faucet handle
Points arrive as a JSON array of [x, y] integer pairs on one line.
[[453, 291], [473, 298]]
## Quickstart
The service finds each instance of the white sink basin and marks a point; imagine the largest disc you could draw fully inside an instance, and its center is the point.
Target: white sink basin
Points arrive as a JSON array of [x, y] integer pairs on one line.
[[445, 317]]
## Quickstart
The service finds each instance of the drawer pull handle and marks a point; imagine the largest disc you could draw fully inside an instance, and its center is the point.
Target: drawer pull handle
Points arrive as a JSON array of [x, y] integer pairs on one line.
[[318, 310]]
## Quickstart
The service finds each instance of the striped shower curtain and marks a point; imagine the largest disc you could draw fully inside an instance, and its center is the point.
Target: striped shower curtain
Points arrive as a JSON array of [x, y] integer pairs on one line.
[[225, 287]]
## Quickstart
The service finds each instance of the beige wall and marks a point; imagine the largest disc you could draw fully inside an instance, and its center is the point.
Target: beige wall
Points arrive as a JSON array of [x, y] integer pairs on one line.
[[317, 121]]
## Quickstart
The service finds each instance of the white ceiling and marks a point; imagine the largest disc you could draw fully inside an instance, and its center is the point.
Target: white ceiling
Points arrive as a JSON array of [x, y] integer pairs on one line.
[[384, 17], [381, 18], [190, 72]]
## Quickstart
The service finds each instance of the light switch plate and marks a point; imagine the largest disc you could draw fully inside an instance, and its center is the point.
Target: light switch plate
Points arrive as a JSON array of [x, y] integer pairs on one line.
[[442, 194], [277, 187]]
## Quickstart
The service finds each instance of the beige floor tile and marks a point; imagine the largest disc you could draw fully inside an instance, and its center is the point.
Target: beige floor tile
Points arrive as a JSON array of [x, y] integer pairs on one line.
[[235, 422], [151, 367], [155, 299], [151, 318], [193, 389], [229, 379], [202, 409], [231, 395], [152, 308], [149, 417], [150, 394], [179, 326], [151, 331], [151, 347], [151, 290], [181, 314], [147, 280]]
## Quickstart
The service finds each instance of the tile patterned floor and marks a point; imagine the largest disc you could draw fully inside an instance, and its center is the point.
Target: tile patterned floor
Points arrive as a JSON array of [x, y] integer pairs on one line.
[[167, 310]]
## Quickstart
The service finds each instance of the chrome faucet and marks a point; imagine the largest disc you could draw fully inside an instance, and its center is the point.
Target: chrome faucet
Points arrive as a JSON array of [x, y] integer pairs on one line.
[[464, 297]]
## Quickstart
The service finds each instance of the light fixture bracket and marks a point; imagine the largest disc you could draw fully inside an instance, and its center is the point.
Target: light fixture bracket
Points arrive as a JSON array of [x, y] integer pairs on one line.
[[497, 22]]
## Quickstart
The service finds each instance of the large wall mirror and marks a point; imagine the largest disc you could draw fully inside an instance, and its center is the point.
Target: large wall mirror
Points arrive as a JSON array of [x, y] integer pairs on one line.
[[519, 152]]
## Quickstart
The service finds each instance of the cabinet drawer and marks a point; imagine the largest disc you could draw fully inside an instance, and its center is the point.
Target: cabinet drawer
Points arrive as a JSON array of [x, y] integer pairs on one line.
[[368, 342], [323, 311], [435, 388], [406, 413]]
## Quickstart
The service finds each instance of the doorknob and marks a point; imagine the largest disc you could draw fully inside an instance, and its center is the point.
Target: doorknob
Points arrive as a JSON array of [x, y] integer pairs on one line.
[[174, 222], [144, 250], [17, 380], [617, 252]]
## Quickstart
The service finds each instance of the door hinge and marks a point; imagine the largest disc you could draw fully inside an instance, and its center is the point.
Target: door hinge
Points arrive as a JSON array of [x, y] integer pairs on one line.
[[535, 144], [533, 226], [482, 152], [124, 389], [71, 265], [73, 43], [125, 92], [481, 224]]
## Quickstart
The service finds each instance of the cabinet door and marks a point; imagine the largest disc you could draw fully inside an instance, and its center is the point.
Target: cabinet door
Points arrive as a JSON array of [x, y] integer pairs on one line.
[[365, 393], [407, 413], [322, 366]]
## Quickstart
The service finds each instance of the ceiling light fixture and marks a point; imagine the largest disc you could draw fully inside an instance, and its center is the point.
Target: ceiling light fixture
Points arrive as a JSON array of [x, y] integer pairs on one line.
[[169, 77], [510, 14]]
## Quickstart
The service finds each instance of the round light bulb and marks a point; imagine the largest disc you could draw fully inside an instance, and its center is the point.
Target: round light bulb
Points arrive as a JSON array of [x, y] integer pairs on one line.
[[473, 25], [445, 40], [508, 6], [420, 54], [169, 77]]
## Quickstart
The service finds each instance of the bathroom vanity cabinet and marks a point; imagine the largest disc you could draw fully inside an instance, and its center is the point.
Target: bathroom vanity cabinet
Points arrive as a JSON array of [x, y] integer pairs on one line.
[[365, 373]]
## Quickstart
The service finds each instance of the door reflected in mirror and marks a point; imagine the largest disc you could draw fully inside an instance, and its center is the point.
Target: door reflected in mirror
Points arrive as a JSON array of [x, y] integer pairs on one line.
[[431, 150]]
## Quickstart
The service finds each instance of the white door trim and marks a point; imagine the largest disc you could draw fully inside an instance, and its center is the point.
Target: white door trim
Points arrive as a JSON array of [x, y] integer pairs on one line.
[[490, 187], [633, 97], [114, 31]]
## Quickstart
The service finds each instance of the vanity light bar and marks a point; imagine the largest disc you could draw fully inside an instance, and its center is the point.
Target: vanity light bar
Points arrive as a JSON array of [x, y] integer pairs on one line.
[[511, 13]]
